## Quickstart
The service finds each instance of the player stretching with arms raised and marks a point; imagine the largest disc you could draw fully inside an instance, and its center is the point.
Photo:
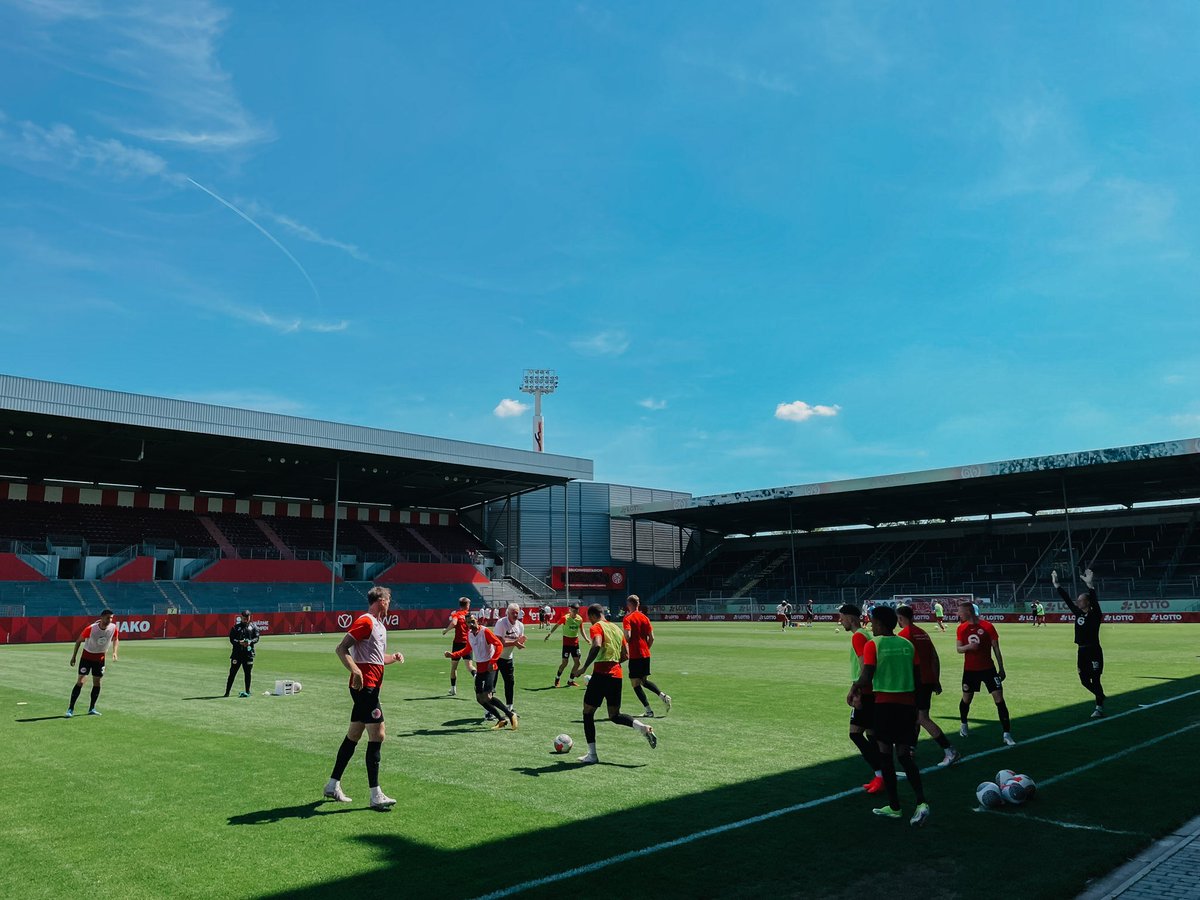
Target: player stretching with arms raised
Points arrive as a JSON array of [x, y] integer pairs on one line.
[[977, 641], [363, 651], [486, 648], [639, 634], [862, 703], [931, 681], [571, 624], [96, 639], [608, 651], [458, 621], [891, 667], [1089, 658]]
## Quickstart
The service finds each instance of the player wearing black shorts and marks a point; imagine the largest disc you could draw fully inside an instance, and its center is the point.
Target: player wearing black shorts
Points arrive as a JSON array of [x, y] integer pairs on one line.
[[862, 707], [931, 681], [977, 640], [1089, 658], [486, 648], [608, 650], [892, 669], [243, 638]]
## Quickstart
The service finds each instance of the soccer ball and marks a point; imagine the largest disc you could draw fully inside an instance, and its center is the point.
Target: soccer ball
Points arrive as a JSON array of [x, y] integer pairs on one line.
[[1014, 792], [298, 686], [563, 743], [988, 795], [1004, 776], [1028, 784]]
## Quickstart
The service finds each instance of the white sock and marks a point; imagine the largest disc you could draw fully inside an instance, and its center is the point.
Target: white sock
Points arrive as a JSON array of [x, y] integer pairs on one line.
[[592, 748], [640, 725]]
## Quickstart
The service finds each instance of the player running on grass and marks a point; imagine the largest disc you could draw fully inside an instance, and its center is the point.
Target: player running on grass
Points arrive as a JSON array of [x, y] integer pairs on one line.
[[363, 651], [571, 624], [862, 705], [939, 615], [96, 639], [458, 621], [639, 634], [1089, 658], [608, 651], [486, 648], [931, 681], [891, 667], [977, 641]]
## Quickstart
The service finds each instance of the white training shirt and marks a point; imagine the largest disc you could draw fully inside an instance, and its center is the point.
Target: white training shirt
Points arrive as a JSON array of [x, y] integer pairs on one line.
[[372, 649], [505, 630], [98, 638]]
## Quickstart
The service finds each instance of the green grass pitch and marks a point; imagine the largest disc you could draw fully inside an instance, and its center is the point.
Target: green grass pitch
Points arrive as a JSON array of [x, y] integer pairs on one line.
[[172, 793]]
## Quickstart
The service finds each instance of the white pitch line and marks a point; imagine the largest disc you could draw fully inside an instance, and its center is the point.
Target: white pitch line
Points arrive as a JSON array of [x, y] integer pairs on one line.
[[810, 804], [1029, 818], [1119, 754]]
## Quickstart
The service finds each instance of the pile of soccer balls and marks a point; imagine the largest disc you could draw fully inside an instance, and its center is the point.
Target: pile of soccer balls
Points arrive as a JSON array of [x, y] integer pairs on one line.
[[1009, 787], [563, 743]]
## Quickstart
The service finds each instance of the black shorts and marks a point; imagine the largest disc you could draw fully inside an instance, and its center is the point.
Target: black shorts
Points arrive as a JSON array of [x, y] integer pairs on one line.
[[93, 667], [988, 679], [864, 716], [1090, 660], [458, 645], [241, 660], [366, 706], [485, 682], [896, 723], [924, 695], [603, 690], [639, 668], [570, 651]]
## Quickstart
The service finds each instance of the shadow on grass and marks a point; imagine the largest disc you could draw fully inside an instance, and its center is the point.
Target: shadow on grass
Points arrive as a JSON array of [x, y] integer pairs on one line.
[[818, 804], [43, 718], [437, 732], [213, 697], [303, 811], [438, 697]]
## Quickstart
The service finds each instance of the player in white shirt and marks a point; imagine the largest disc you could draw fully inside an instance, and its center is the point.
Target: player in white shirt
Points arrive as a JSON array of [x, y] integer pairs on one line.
[[783, 613], [96, 639], [511, 631]]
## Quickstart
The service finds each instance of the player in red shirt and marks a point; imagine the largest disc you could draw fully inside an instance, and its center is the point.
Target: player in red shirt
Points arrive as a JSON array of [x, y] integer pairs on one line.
[[862, 705], [977, 641], [96, 640], [487, 648], [639, 633], [363, 651], [458, 621], [931, 681]]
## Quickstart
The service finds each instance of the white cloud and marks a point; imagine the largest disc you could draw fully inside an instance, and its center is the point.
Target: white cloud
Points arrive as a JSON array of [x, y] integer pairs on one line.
[[162, 56], [651, 403], [305, 233], [24, 144], [1174, 379], [799, 411], [284, 325], [1186, 420], [605, 343], [508, 409]]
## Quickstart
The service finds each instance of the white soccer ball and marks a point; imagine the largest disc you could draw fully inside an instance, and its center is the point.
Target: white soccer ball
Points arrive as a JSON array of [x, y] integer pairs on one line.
[[988, 795], [1004, 776], [563, 743], [1028, 784], [297, 686], [1014, 792]]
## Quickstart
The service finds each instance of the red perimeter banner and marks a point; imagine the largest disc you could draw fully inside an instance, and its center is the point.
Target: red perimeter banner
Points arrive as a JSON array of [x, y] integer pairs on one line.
[[589, 578], [1011, 618], [59, 629]]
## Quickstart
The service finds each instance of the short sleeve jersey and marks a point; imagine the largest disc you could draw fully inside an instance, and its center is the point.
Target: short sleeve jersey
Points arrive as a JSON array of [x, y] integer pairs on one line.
[[926, 652], [96, 640], [459, 618], [570, 629], [507, 630], [979, 637], [637, 624], [370, 648], [938, 612], [608, 660], [858, 644]]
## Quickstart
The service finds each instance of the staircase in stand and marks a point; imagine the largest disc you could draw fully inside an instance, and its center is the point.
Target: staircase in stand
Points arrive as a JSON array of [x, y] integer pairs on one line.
[[285, 552], [79, 597], [219, 536], [383, 542], [428, 546]]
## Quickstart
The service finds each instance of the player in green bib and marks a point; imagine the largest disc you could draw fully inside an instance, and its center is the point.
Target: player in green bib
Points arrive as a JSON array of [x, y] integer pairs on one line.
[[891, 668], [939, 614], [571, 625]]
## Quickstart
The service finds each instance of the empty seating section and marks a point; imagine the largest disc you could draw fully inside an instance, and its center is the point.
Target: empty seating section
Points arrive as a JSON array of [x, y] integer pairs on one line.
[[247, 538], [111, 526], [1010, 564]]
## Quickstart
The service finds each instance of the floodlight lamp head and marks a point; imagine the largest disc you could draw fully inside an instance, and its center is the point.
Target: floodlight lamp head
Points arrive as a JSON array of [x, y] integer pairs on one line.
[[539, 381]]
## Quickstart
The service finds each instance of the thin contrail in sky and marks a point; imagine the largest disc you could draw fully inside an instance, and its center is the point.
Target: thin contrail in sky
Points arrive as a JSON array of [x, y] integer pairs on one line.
[[270, 237]]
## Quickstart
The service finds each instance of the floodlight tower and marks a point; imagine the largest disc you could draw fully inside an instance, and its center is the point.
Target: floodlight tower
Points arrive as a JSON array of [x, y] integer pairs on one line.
[[538, 382]]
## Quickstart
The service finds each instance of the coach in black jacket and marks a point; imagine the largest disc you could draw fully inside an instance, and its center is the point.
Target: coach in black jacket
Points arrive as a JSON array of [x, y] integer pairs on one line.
[[243, 636]]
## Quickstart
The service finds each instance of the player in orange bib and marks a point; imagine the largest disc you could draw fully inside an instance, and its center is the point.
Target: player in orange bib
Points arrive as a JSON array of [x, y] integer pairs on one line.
[[96, 639], [977, 641], [458, 621], [363, 651]]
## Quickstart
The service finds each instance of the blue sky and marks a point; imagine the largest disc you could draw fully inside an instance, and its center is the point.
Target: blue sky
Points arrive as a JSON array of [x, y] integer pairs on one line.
[[762, 244]]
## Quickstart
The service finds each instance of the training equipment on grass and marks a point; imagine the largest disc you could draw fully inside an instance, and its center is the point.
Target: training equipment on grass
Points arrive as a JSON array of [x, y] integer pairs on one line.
[[1028, 784], [563, 743], [1004, 776], [285, 687], [1014, 792], [988, 795]]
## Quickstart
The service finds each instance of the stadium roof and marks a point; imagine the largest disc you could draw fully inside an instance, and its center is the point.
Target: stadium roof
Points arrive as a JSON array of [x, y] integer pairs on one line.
[[1121, 476], [62, 432]]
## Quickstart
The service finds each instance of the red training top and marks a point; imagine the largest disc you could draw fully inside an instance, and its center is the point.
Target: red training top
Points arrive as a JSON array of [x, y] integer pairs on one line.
[[980, 637], [926, 652], [638, 629], [859, 641]]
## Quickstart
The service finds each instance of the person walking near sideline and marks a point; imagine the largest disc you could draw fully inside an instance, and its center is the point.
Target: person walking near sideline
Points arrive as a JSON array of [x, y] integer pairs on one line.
[[1089, 659], [244, 638], [363, 651], [639, 634], [96, 640]]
